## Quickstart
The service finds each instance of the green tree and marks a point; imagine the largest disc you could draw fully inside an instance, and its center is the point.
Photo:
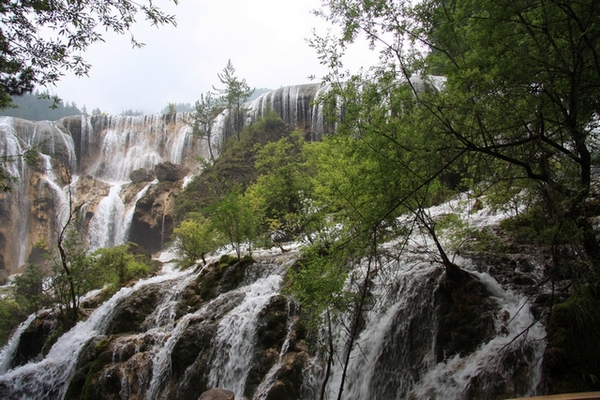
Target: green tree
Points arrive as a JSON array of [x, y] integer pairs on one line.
[[520, 96], [195, 237], [233, 217], [517, 105], [38, 107], [233, 96], [41, 40], [118, 265], [12, 313], [282, 192], [29, 288], [203, 117]]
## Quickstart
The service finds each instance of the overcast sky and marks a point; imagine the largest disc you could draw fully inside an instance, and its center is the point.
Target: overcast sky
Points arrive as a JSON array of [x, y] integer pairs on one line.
[[266, 41]]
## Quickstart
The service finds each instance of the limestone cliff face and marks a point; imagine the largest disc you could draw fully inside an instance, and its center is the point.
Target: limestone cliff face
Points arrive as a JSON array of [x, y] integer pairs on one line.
[[119, 175], [31, 213], [152, 223], [84, 166]]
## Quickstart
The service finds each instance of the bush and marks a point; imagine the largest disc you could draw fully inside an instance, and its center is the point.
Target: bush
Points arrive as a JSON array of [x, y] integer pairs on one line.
[[11, 315]]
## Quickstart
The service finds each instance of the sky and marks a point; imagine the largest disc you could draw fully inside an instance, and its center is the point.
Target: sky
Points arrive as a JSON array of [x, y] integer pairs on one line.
[[266, 41]]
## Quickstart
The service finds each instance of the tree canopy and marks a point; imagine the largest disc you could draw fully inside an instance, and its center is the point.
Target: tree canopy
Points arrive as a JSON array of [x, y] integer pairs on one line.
[[41, 40], [235, 93]]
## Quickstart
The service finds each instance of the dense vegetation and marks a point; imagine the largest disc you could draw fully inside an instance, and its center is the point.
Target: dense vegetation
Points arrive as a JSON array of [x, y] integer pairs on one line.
[[41, 40], [497, 98], [40, 107]]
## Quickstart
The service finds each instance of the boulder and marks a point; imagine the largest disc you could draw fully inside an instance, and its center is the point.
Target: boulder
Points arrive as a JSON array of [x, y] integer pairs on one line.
[[141, 175], [152, 222], [217, 394], [170, 172]]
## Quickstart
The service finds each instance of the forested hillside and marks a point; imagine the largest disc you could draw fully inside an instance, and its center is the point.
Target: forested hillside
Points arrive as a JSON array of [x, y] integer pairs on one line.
[[39, 107], [461, 174], [497, 99]]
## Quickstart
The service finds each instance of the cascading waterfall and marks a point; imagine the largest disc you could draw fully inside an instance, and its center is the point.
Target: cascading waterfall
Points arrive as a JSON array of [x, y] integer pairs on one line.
[[8, 351], [394, 356], [106, 228], [234, 341], [48, 378], [296, 105], [60, 192], [105, 151], [517, 332]]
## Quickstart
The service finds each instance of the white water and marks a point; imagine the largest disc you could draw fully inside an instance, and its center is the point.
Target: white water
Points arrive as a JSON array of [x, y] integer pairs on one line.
[[235, 339], [517, 330], [48, 378], [394, 357], [107, 225], [8, 351]]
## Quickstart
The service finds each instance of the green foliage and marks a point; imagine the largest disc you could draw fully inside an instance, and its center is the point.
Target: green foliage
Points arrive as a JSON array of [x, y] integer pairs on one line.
[[204, 113], [29, 289], [119, 266], [172, 108], [234, 168], [41, 40], [195, 237], [535, 226], [233, 217], [12, 313], [281, 193], [574, 352], [317, 282], [39, 107], [235, 93], [132, 113]]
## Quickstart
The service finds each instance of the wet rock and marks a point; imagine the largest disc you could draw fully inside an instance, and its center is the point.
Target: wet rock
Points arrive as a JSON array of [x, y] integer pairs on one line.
[[217, 394], [37, 339], [141, 175], [272, 332], [132, 312], [170, 172], [289, 377], [152, 222], [465, 312], [194, 343]]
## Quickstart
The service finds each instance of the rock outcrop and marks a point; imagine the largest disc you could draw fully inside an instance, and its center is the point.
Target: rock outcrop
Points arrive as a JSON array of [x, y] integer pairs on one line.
[[141, 175], [169, 172], [152, 222], [217, 394]]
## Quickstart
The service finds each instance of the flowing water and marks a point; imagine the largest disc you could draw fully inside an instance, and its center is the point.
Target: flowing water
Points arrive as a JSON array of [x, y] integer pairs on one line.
[[394, 356]]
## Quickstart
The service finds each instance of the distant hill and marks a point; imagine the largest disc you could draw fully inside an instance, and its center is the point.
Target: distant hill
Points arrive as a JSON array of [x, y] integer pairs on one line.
[[257, 92], [34, 107]]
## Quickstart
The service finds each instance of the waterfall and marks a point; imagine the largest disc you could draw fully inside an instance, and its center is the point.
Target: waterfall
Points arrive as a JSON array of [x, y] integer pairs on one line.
[[104, 150], [296, 105], [97, 152], [48, 378], [517, 332], [394, 355], [234, 342], [128, 143], [8, 351], [188, 341], [107, 224]]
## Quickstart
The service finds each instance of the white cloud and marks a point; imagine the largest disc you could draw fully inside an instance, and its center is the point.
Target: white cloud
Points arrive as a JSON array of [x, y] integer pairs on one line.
[[265, 40]]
